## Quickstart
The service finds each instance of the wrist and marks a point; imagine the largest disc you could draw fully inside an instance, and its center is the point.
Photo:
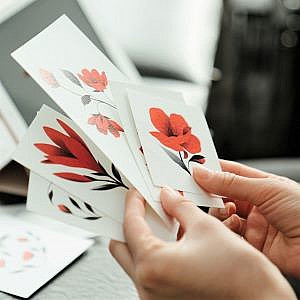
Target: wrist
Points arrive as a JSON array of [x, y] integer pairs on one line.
[[262, 280]]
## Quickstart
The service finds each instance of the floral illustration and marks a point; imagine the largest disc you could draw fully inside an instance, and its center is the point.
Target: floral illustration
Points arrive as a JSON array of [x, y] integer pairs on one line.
[[174, 133], [94, 79], [85, 81], [105, 125], [72, 207], [71, 151], [21, 252]]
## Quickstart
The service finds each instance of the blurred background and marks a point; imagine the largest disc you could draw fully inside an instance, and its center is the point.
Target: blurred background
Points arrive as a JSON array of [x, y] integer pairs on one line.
[[237, 59]]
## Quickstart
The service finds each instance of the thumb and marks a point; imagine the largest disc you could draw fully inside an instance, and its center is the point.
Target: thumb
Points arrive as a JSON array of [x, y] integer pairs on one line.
[[185, 212]]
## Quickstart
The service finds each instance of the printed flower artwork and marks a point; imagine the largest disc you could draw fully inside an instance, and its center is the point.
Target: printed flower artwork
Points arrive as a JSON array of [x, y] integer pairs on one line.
[[85, 80], [105, 125], [21, 252], [69, 206], [69, 150], [174, 133]]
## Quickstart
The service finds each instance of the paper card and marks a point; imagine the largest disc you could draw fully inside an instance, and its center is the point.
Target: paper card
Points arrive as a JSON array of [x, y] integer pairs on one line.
[[76, 75], [174, 137], [30, 255], [120, 91], [56, 149], [12, 127], [49, 200]]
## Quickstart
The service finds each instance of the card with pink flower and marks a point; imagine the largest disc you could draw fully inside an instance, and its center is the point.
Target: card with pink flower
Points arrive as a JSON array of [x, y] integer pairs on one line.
[[76, 75]]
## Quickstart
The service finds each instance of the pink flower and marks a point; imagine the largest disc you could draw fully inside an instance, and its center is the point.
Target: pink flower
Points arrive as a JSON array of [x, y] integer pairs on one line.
[[49, 78], [94, 79], [105, 125]]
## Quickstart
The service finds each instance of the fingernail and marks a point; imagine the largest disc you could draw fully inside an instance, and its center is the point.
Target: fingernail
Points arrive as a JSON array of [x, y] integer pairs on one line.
[[169, 191], [201, 172]]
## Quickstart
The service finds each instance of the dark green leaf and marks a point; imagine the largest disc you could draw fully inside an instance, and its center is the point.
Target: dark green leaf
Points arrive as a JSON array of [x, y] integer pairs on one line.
[[116, 172], [50, 195], [74, 202], [72, 77], [196, 158], [176, 159], [89, 207], [106, 187], [92, 218]]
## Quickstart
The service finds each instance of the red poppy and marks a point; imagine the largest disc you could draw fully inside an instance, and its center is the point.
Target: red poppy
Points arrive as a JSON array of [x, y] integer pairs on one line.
[[174, 132], [64, 209], [105, 125], [94, 79], [49, 78], [70, 150]]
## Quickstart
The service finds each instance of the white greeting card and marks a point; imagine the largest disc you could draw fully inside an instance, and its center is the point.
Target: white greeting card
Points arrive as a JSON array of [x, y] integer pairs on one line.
[[77, 75], [174, 137], [30, 255], [120, 92]]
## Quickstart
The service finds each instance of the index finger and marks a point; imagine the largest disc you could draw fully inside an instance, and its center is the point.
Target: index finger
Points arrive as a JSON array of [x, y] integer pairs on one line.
[[136, 231], [242, 170]]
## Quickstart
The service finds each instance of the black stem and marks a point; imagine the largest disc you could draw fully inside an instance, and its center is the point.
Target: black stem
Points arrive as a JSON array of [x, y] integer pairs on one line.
[[185, 167]]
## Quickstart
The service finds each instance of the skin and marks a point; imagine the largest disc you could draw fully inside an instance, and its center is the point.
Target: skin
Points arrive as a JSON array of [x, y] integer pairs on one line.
[[200, 265], [261, 207]]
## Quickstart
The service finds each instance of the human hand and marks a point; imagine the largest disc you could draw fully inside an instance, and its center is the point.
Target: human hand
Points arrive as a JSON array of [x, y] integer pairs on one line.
[[261, 207], [208, 262]]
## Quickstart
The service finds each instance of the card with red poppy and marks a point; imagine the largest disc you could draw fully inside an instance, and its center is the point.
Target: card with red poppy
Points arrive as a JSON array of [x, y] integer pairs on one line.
[[120, 93], [31, 255], [174, 137], [77, 77]]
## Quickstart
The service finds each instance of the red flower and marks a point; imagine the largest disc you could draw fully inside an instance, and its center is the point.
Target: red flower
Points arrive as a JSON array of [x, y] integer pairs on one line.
[[94, 79], [70, 150], [74, 177], [64, 209], [49, 78], [2, 263], [174, 132], [104, 124], [27, 255]]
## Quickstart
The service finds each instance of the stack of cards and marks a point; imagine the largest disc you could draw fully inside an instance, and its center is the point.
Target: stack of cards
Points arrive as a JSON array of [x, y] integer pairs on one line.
[[117, 135]]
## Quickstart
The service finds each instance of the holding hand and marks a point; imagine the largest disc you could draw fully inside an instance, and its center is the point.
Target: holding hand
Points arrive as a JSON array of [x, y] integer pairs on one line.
[[208, 262], [261, 207]]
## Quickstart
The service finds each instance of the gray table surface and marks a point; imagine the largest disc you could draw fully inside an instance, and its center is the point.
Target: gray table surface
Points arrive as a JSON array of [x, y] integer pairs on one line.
[[94, 275]]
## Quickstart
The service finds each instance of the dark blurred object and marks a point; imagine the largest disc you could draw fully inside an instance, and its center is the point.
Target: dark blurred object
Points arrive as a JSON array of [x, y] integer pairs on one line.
[[254, 108]]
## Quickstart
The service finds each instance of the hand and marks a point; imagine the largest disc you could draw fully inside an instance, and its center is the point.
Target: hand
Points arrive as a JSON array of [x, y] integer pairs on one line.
[[208, 262], [261, 207]]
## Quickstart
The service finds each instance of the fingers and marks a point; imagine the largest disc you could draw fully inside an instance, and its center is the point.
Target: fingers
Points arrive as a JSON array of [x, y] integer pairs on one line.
[[236, 224], [223, 213], [242, 170], [136, 231], [122, 255], [185, 212], [231, 185]]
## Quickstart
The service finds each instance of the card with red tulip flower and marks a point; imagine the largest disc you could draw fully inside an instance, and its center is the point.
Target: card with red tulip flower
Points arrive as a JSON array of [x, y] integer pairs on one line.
[[174, 137], [57, 150], [120, 93], [30, 255], [76, 75]]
